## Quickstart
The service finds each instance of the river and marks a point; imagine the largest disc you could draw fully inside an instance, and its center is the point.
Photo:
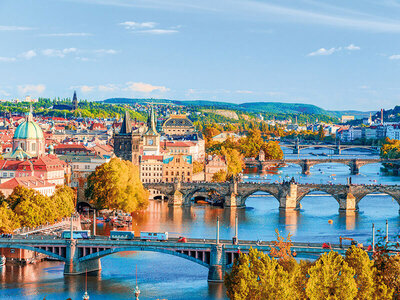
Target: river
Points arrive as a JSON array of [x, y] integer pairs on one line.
[[161, 276]]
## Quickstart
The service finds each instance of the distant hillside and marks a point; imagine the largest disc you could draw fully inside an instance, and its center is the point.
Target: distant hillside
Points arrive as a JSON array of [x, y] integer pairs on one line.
[[285, 108]]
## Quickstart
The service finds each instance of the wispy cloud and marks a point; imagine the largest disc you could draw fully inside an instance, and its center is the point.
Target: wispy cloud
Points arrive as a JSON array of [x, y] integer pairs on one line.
[[14, 28], [394, 57], [7, 59], [148, 27], [28, 54], [31, 88], [145, 87], [105, 51], [67, 34], [108, 88], [59, 52], [325, 51]]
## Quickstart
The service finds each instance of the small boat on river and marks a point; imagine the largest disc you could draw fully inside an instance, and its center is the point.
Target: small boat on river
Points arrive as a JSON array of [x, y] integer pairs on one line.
[[2, 261]]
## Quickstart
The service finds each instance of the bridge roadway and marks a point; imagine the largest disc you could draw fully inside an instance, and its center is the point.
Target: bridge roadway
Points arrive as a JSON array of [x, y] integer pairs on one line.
[[289, 194], [82, 255], [306, 164]]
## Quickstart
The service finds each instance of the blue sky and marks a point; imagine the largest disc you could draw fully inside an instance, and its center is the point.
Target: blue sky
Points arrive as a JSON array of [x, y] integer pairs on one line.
[[334, 54]]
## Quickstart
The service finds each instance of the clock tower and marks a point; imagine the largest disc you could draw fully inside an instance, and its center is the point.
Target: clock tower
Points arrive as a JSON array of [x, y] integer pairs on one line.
[[151, 138]]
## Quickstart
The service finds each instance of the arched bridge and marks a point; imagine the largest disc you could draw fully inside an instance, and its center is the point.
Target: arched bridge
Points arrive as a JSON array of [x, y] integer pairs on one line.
[[337, 148], [80, 256], [306, 164], [289, 194]]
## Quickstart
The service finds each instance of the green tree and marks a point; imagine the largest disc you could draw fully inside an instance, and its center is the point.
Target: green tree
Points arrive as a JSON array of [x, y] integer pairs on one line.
[[331, 278], [359, 260], [321, 134], [116, 185], [9, 221]]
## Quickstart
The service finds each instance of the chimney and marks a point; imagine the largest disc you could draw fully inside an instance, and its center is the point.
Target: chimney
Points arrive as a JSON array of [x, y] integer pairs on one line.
[[381, 116]]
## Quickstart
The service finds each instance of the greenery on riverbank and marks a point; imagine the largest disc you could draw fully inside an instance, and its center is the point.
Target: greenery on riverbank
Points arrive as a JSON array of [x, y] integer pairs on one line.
[[28, 208], [258, 276]]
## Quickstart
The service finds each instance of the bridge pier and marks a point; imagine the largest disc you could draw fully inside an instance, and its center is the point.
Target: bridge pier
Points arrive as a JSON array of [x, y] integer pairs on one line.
[[216, 271], [305, 167], [75, 267], [288, 201], [232, 200], [337, 151], [354, 167], [176, 199], [347, 202]]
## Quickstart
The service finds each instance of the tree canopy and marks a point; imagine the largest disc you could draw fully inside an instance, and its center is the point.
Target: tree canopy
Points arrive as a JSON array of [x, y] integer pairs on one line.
[[116, 185]]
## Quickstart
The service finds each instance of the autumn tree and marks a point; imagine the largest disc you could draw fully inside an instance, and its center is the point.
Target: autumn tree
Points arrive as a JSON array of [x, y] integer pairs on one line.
[[220, 176], [116, 185], [272, 150], [257, 276], [198, 167], [321, 134], [331, 278], [64, 201], [359, 260], [9, 221], [234, 161], [299, 278], [388, 269]]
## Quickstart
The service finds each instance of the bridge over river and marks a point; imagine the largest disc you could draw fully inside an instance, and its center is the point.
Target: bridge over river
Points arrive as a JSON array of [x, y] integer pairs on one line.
[[337, 148], [216, 255], [306, 164], [289, 194]]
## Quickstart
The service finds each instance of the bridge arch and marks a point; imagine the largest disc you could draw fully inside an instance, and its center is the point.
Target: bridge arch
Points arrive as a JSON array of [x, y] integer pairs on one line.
[[315, 190], [394, 195], [110, 251], [190, 193], [38, 250], [262, 189]]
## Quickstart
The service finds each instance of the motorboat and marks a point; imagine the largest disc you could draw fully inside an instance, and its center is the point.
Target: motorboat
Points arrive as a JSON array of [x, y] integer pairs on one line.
[[2, 261]]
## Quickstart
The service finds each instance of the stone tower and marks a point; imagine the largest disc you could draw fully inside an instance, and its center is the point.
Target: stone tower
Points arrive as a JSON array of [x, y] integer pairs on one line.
[[75, 101], [151, 138]]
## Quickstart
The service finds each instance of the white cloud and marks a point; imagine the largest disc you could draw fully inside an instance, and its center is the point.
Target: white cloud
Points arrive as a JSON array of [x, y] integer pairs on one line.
[[106, 51], [137, 25], [323, 51], [7, 59], [159, 31], [145, 87], [107, 88], [31, 88], [244, 92], [28, 54], [4, 93], [394, 57], [352, 47], [14, 28], [86, 88], [58, 53], [67, 34]]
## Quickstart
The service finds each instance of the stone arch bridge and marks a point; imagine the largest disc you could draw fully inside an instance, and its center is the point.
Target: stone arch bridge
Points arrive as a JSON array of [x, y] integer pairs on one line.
[[289, 194], [337, 148], [306, 164]]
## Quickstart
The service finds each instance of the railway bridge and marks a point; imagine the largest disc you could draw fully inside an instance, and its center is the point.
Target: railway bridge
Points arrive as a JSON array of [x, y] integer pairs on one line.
[[288, 194], [306, 164], [80, 256]]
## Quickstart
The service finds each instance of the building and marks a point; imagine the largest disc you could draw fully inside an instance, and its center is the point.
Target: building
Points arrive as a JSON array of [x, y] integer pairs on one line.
[[177, 167], [29, 138], [178, 125], [223, 136], [151, 168], [214, 164], [72, 107], [393, 131], [31, 182], [151, 139], [346, 119]]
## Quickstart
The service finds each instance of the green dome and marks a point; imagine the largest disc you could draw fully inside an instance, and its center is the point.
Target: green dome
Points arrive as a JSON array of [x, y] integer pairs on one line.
[[28, 130]]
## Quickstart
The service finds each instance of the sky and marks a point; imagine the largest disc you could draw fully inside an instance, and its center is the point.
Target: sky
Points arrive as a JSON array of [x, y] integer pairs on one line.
[[338, 55]]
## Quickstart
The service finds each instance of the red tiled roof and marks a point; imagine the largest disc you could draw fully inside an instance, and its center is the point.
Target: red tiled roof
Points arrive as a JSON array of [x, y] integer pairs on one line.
[[31, 182]]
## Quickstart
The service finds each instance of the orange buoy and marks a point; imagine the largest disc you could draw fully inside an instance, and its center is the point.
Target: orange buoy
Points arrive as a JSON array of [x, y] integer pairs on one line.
[[330, 221]]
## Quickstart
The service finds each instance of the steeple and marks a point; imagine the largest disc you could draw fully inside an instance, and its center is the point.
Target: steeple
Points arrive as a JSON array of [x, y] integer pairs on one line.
[[151, 123], [75, 101], [126, 127], [29, 117]]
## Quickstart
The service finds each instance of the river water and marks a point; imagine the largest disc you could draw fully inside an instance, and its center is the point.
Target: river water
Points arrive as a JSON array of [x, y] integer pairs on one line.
[[161, 276]]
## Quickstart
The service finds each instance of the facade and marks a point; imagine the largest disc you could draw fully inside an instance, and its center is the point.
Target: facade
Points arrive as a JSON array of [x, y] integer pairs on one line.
[[393, 132], [177, 167], [178, 125], [151, 168], [223, 136], [214, 164], [32, 182]]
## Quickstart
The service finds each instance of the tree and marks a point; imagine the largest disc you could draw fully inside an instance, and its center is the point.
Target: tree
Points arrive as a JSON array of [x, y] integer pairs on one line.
[[272, 150], [281, 248], [198, 167], [234, 161], [388, 269], [321, 133], [299, 278], [8, 219], [257, 276], [331, 278], [359, 260], [116, 185], [220, 176], [64, 201]]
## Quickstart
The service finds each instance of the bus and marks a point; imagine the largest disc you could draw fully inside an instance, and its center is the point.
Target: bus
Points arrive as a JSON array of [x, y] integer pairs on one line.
[[122, 235], [154, 236], [78, 234]]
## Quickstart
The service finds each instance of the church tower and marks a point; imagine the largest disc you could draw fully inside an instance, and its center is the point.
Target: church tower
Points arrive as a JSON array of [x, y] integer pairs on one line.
[[75, 101], [151, 138]]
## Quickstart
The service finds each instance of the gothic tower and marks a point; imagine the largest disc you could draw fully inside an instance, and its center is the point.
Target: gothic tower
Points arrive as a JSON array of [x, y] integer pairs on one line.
[[75, 101], [151, 138]]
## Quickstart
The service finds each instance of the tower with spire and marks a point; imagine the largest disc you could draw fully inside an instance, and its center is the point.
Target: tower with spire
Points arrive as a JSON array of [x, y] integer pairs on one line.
[[151, 138], [75, 101]]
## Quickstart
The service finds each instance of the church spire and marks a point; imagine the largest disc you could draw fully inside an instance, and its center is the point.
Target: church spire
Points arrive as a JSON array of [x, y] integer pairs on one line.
[[29, 117], [126, 127], [75, 101], [151, 122]]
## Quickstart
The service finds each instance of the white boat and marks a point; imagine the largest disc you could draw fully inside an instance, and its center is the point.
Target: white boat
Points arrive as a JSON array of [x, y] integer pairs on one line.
[[2, 261]]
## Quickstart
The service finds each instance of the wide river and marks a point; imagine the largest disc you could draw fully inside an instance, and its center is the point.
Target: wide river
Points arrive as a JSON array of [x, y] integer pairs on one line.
[[161, 276]]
